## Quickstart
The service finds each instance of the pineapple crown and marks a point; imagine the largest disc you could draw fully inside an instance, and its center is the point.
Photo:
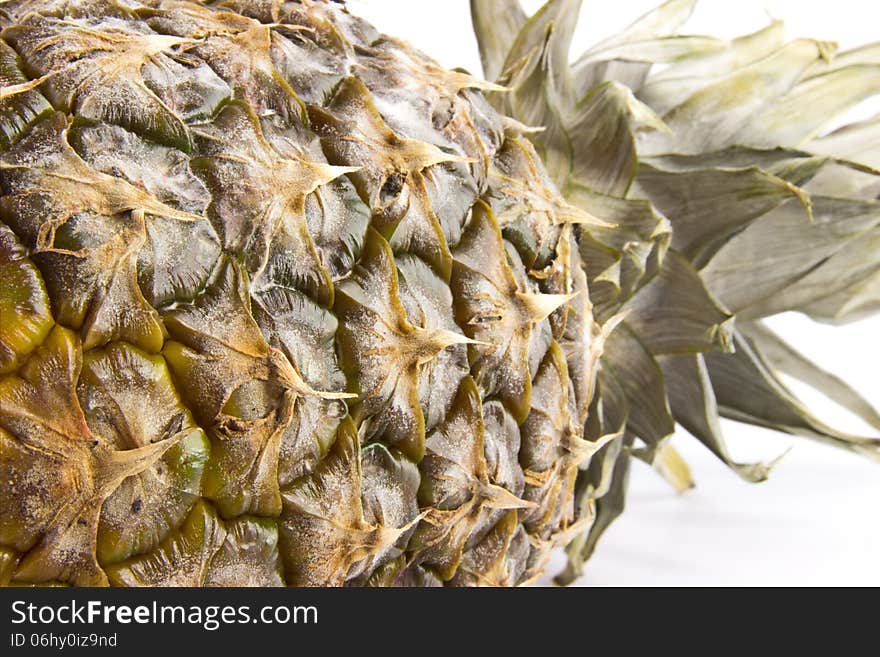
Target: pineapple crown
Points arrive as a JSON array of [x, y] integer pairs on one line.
[[729, 202]]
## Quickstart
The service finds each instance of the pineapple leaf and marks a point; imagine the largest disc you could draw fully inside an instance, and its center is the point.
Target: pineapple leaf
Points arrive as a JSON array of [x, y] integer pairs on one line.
[[673, 468], [782, 248], [638, 377], [661, 22], [675, 83], [836, 277], [657, 50], [799, 115], [748, 390], [694, 407], [857, 301], [603, 126], [856, 141], [785, 359], [675, 314], [692, 201], [719, 114], [496, 24]]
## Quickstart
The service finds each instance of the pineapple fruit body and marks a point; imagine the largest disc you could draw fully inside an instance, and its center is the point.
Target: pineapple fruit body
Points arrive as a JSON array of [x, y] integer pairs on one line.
[[286, 303], [283, 302]]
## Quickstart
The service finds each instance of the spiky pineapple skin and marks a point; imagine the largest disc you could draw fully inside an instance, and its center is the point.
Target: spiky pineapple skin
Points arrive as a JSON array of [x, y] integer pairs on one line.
[[283, 302]]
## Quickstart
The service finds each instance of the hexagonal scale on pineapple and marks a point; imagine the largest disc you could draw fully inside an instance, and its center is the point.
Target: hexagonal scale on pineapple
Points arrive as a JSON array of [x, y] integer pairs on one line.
[[54, 201], [206, 551], [242, 475], [383, 353], [245, 393], [308, 436], [129, 401], [242, 472], [389, 487], [552, 421], [188, 85], [500, 559], [95, 288], [219, 320], [45, 381], [428, 304], [160, 170], [353, 133], [217, 335], [419, 231], [527, 205], [451, 191], [497, 307], [47, 183], [390, 68], [425, 111], [309, 59], [32, 491], [337, 220], [456, 493], [420, 101], [240, 50], [249, 556], [24, 303], [64, 461], [96, 71], [258, 200], [552, 447], [325, 536], [501, 444], [305, 332], [428, 108]]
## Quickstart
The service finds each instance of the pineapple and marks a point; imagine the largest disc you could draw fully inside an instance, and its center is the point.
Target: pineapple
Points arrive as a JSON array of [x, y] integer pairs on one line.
[[728, 199], [285, 302]]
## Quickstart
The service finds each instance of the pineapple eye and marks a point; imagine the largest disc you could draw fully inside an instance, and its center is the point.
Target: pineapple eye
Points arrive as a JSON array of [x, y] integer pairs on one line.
[[336, 408], [392, 187], [253, 400]]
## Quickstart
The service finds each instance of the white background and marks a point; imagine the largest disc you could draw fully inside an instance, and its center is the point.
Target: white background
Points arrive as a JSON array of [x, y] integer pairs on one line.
[[816, 521]]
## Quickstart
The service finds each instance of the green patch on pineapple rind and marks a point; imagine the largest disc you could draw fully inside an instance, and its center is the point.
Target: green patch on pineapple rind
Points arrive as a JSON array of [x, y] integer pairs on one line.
[[24, 303], [194, 554], [110, 375], [21, 109]]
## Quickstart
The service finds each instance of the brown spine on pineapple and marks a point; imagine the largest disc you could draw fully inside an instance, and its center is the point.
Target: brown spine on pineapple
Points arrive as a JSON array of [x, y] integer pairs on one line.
[[283, 302]]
